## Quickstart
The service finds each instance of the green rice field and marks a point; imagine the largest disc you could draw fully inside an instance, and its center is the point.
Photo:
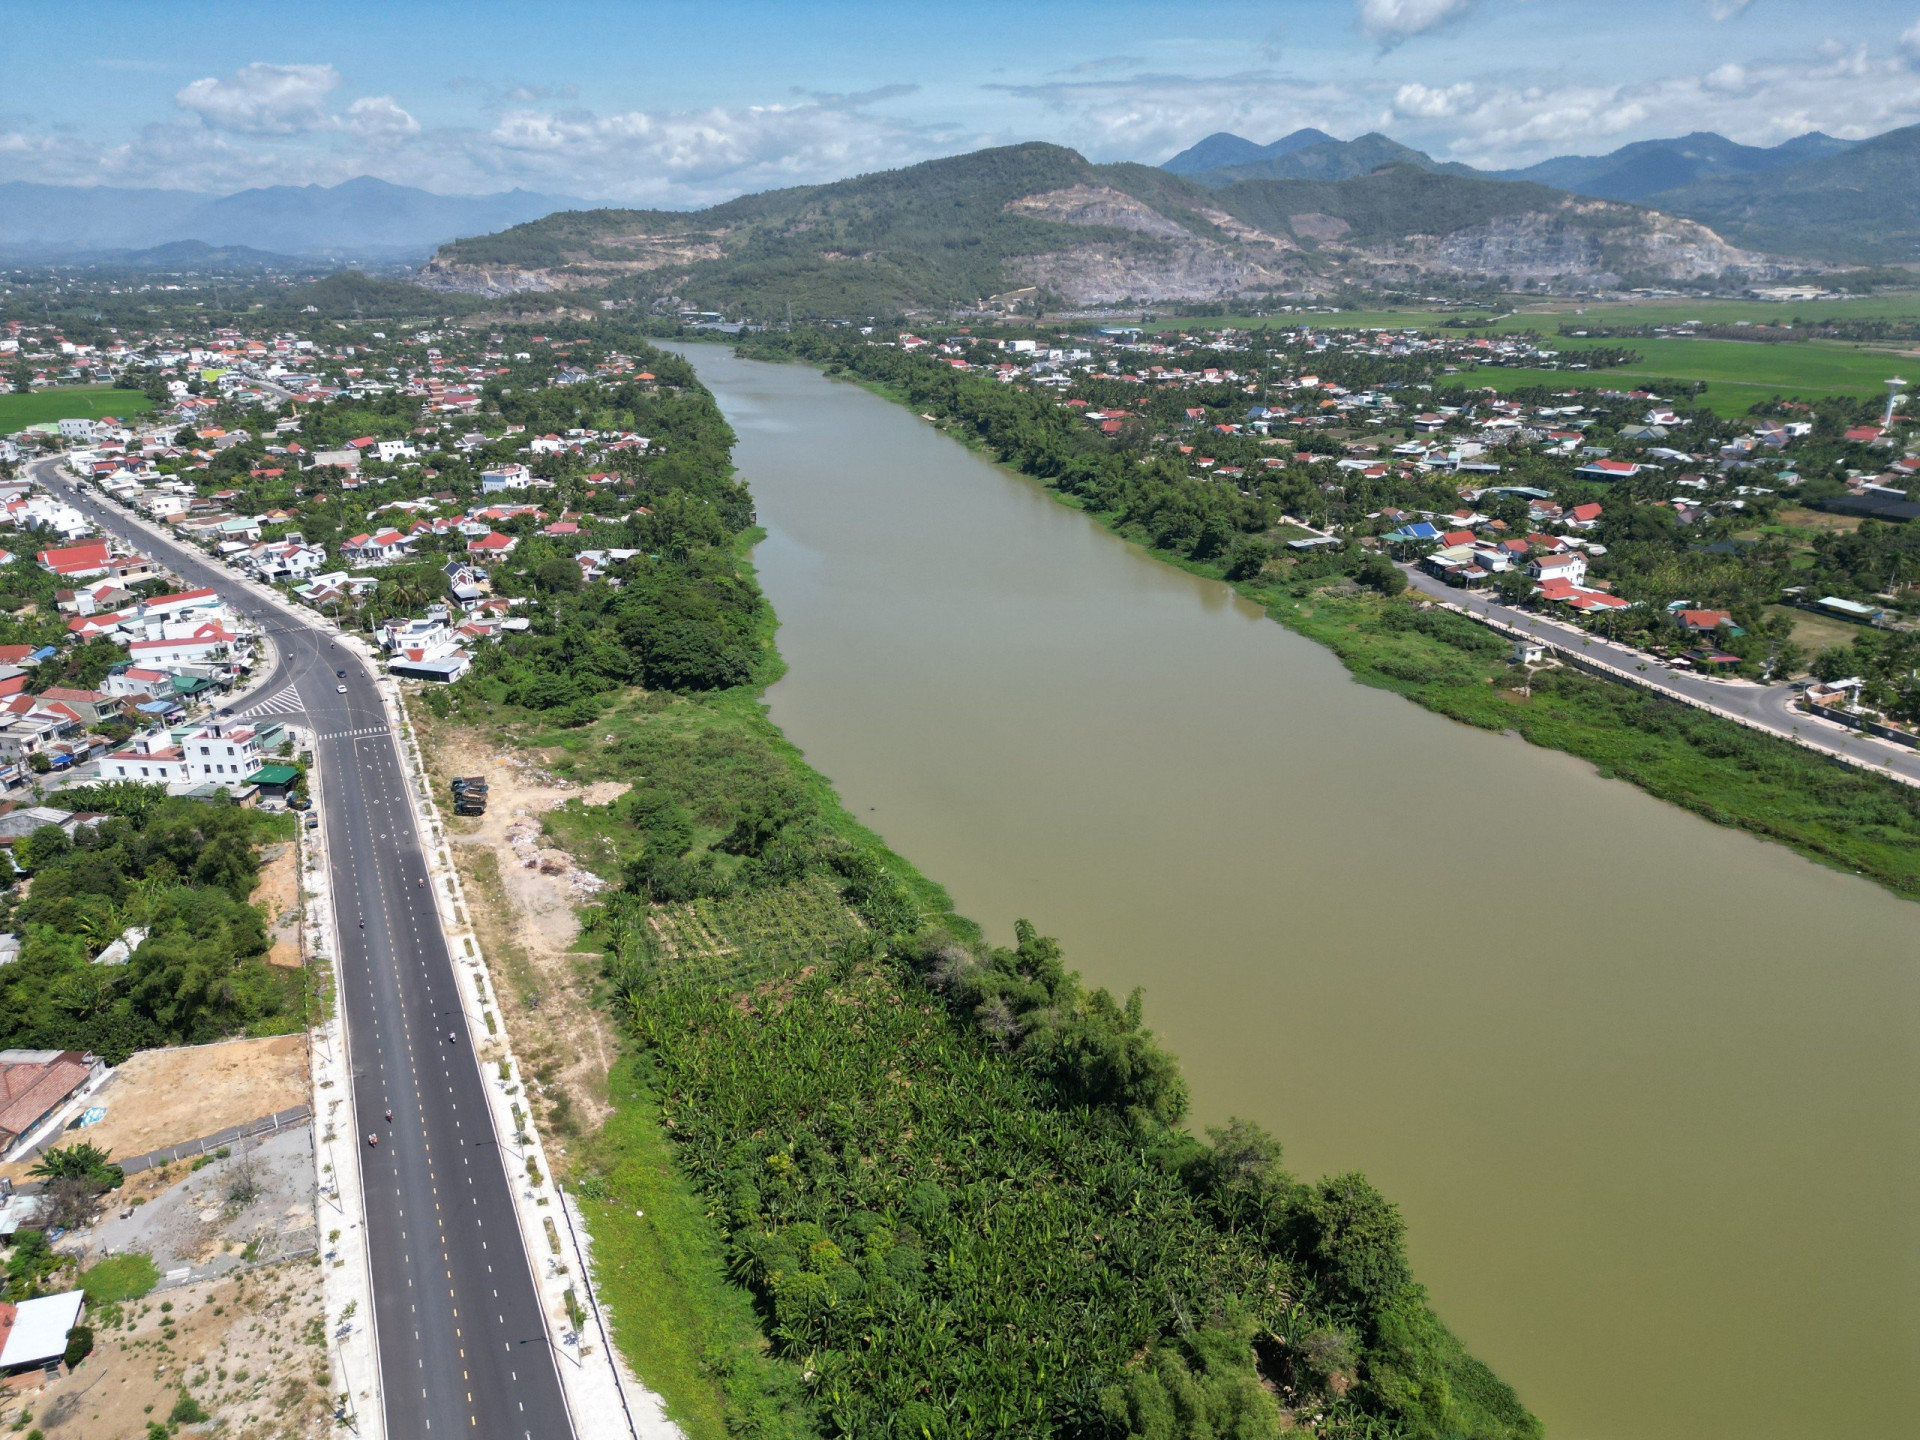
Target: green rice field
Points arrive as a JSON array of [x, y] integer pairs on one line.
[[1737, 373], [71, 402], [1547, 317]]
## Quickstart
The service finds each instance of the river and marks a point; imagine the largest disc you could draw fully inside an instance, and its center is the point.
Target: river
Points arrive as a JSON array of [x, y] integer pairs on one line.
[[1645, 1088]]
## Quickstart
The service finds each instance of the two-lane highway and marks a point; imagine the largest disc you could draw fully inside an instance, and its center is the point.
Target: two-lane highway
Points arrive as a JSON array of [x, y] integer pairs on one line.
[[1770, 707], [463, 1342]]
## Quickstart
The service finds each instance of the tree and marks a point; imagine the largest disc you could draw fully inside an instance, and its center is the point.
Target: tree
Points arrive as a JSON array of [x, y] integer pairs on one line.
[[557, 574], [1515, 587], [82, 1161], [44, 846], [1354, 1243], [69, 1202], [1247, 557], [79, 1345], [1377, 572]]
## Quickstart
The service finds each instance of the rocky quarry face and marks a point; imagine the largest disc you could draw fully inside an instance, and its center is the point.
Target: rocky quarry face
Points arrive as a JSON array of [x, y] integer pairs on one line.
[[1603, 248], [1169, 262]]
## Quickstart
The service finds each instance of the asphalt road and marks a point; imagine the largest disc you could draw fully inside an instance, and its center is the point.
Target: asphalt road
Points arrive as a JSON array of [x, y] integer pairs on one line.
[[1769, 706], [464, 1348]]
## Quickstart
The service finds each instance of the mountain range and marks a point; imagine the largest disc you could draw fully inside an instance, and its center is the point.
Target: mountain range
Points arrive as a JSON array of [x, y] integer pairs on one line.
[[1043, 222], [361, 218], [1846, 201]]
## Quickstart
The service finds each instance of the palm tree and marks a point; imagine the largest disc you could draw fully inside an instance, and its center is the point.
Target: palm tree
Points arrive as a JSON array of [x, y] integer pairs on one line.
[[82, 1161]]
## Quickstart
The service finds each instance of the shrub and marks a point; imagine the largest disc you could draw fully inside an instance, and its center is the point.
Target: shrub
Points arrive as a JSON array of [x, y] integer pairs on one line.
[[79, 1345], [187, 1411]]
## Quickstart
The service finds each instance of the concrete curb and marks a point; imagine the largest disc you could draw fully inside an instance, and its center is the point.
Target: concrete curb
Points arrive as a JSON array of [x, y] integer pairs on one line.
[[347, 1266]]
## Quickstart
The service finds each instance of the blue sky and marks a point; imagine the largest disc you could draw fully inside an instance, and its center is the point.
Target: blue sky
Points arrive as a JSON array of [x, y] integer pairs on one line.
[[681, 104]]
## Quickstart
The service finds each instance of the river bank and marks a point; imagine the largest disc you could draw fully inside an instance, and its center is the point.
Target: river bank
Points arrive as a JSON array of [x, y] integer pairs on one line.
[[1847, 818], [747, 1072], [863, 1173], [1580, 1035]]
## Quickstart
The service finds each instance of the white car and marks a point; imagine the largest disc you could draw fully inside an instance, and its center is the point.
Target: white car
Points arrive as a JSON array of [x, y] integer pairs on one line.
[[341, 689]]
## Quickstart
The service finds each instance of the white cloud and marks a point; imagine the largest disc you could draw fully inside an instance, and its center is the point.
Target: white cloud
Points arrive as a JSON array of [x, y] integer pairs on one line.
[[1727, 9], [1843, 90], [1390, 21], [379, 120], [261, 99], [1728, 79], [1423, 102], [698, 156], [1910, 40]]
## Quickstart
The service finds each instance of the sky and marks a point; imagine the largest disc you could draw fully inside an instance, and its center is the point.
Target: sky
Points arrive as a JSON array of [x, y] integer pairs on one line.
[[680, 104]]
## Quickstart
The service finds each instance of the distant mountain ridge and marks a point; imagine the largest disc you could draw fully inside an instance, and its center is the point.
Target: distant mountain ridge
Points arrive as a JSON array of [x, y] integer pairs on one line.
[[362, 217], [1327, 159], [1860, 204], [1221, 149], [1817, 196], [1648, 167]]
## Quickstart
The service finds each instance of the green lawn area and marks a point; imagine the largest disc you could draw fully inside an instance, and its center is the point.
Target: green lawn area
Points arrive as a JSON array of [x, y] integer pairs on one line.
[[71, 402], [1737, 373], [119, 1277], [1816, 632]]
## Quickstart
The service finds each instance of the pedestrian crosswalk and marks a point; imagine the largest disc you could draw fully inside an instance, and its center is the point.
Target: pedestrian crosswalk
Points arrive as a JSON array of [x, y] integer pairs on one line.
[[284, 701], [361, 734]]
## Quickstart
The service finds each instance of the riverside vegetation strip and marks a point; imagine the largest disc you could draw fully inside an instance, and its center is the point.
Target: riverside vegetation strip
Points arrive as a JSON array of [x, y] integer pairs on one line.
[[1349, 601], [866, 1175]]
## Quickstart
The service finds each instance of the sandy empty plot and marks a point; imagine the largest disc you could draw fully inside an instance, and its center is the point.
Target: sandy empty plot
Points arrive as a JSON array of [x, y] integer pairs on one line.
[[252, 1350], [161, 1097], [278, 889], [525, 918]]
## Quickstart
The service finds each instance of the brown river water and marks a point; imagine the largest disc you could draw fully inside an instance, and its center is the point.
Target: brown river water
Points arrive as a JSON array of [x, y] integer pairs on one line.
[[1647, 1090]]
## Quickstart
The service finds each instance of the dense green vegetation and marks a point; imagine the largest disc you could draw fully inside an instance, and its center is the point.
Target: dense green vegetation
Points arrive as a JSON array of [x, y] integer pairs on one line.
[[918, 1186], [180, 869], [952, 1181]]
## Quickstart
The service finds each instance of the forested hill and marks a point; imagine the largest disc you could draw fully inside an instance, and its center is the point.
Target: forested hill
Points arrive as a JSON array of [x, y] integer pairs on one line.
[[970, 227], [1859, 205]]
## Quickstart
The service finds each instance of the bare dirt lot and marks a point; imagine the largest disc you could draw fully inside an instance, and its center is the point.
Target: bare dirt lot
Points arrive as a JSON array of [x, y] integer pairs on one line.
[[251, 1350], [161, 1097], [278, 890], [523, 897], [220, 1213]]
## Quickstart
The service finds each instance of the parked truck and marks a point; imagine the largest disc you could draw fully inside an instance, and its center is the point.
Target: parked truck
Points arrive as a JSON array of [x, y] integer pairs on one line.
[[470, 795]]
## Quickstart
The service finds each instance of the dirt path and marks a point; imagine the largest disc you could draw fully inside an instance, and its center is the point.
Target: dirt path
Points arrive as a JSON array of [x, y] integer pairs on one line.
[[523, 896]]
